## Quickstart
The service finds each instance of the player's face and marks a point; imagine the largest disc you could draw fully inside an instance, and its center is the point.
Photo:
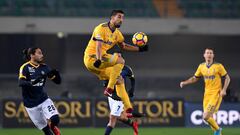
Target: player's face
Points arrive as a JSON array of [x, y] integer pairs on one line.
[[208, 55], [118, 19], [38, 56]]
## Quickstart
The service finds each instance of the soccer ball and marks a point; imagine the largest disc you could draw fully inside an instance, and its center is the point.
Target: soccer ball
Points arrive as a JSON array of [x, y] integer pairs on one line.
[[139, 39]]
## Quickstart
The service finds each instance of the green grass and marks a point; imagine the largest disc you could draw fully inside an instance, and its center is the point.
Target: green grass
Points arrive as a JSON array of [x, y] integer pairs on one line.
[[124, 131]]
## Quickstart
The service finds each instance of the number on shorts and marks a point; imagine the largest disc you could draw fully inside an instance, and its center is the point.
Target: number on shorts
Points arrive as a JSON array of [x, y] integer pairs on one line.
[[51, 108], [118, 107]]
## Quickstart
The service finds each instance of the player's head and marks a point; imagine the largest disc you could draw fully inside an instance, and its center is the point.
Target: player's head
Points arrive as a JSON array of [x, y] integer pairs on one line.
[[34, 54], [117, 18], [208, 54]]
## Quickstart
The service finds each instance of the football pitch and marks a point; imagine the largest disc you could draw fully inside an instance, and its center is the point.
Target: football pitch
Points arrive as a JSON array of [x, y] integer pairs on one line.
[[124, 131]]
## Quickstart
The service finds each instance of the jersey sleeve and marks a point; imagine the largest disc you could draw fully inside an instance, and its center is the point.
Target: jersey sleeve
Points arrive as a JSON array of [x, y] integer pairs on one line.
[[198, 72], [48, 72], [98, 34], [121, 37], [23, 72], [222, 70]]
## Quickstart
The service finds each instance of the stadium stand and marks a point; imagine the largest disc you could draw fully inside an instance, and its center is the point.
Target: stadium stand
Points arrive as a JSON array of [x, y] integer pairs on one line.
[[94, 8], [210, 9], [134, 8]]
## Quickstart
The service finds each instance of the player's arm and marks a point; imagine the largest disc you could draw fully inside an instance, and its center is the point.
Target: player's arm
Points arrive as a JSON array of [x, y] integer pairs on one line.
[[54, 75], [23, 82], [191, 80], [223, 73], [132, 48], [98, 62], [22, 79], [225, 86], [132, 88], [98, 35]]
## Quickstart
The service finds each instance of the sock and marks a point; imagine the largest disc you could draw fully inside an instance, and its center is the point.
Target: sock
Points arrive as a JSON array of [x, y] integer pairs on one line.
[[115, 73], [213, 124], [128, 122], [47, 130], [108, 130], [122, 93]]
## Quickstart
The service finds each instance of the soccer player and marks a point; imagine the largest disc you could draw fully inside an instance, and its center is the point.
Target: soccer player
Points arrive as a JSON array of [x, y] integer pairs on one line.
[[212, 73], [97, 60], [32, 78], [117, 108]]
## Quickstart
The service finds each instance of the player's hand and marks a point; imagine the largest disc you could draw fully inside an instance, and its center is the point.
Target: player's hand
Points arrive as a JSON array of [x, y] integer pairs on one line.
[[143, 48], [97, 63], [52, 73], [182, 84], [223, 93]]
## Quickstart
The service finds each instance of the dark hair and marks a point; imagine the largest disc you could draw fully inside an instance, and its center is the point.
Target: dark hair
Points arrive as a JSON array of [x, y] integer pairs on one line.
[[28, 51], [115, 11], [209, 48]]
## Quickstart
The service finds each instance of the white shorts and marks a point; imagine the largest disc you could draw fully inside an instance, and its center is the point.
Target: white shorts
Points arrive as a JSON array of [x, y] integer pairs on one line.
[[41, 113], [116, 107]]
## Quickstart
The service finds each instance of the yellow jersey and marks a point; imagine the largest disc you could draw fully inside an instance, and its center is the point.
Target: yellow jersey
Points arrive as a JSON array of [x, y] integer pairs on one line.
[[104, 34], [212, 76]]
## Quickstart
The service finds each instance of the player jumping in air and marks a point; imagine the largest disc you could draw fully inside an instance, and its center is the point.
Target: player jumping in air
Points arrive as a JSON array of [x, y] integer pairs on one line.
[[212, 73], [97, 60], [32, 78], [117, 108]]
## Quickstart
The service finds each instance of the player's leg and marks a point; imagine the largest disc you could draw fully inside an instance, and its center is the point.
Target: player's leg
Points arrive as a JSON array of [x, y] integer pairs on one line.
[[115, 72], [39, 119], [122, 93], [116, 108], [51, 113], [111, 124], [54, 124], [124, 119], [47, 130], [115, 61], [211, 105]]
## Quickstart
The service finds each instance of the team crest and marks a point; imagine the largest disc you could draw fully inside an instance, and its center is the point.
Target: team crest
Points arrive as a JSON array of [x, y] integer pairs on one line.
[[31, 70]]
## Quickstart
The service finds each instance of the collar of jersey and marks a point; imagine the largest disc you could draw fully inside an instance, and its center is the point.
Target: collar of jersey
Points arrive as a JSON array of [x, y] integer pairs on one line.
[[110, 27], [36, 66], [208, 66]]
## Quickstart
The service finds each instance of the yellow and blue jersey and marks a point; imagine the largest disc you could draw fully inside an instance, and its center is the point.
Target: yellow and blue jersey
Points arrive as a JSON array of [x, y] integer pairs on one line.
[[104, 34], [212, 75], [33, 95]]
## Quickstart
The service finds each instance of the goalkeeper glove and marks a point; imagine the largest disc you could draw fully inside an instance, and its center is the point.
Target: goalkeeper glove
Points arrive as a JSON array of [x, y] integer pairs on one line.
[[97, 63]]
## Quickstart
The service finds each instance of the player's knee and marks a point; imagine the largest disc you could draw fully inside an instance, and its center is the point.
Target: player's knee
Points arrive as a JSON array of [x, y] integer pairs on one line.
[[120, 60], [206, 116], [112, 121], [120, 80], [55, 120], [123, 117]]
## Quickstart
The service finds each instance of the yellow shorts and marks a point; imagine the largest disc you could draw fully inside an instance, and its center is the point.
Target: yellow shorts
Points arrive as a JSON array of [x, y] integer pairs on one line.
[[103, 72], [211, 102]]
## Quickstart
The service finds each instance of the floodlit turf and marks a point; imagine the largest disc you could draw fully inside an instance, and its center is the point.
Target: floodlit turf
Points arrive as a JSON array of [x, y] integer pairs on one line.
[[124, 131]]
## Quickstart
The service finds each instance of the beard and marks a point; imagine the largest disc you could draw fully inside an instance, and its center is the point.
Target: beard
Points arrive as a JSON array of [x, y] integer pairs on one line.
[[41, 60], [118, 25]]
